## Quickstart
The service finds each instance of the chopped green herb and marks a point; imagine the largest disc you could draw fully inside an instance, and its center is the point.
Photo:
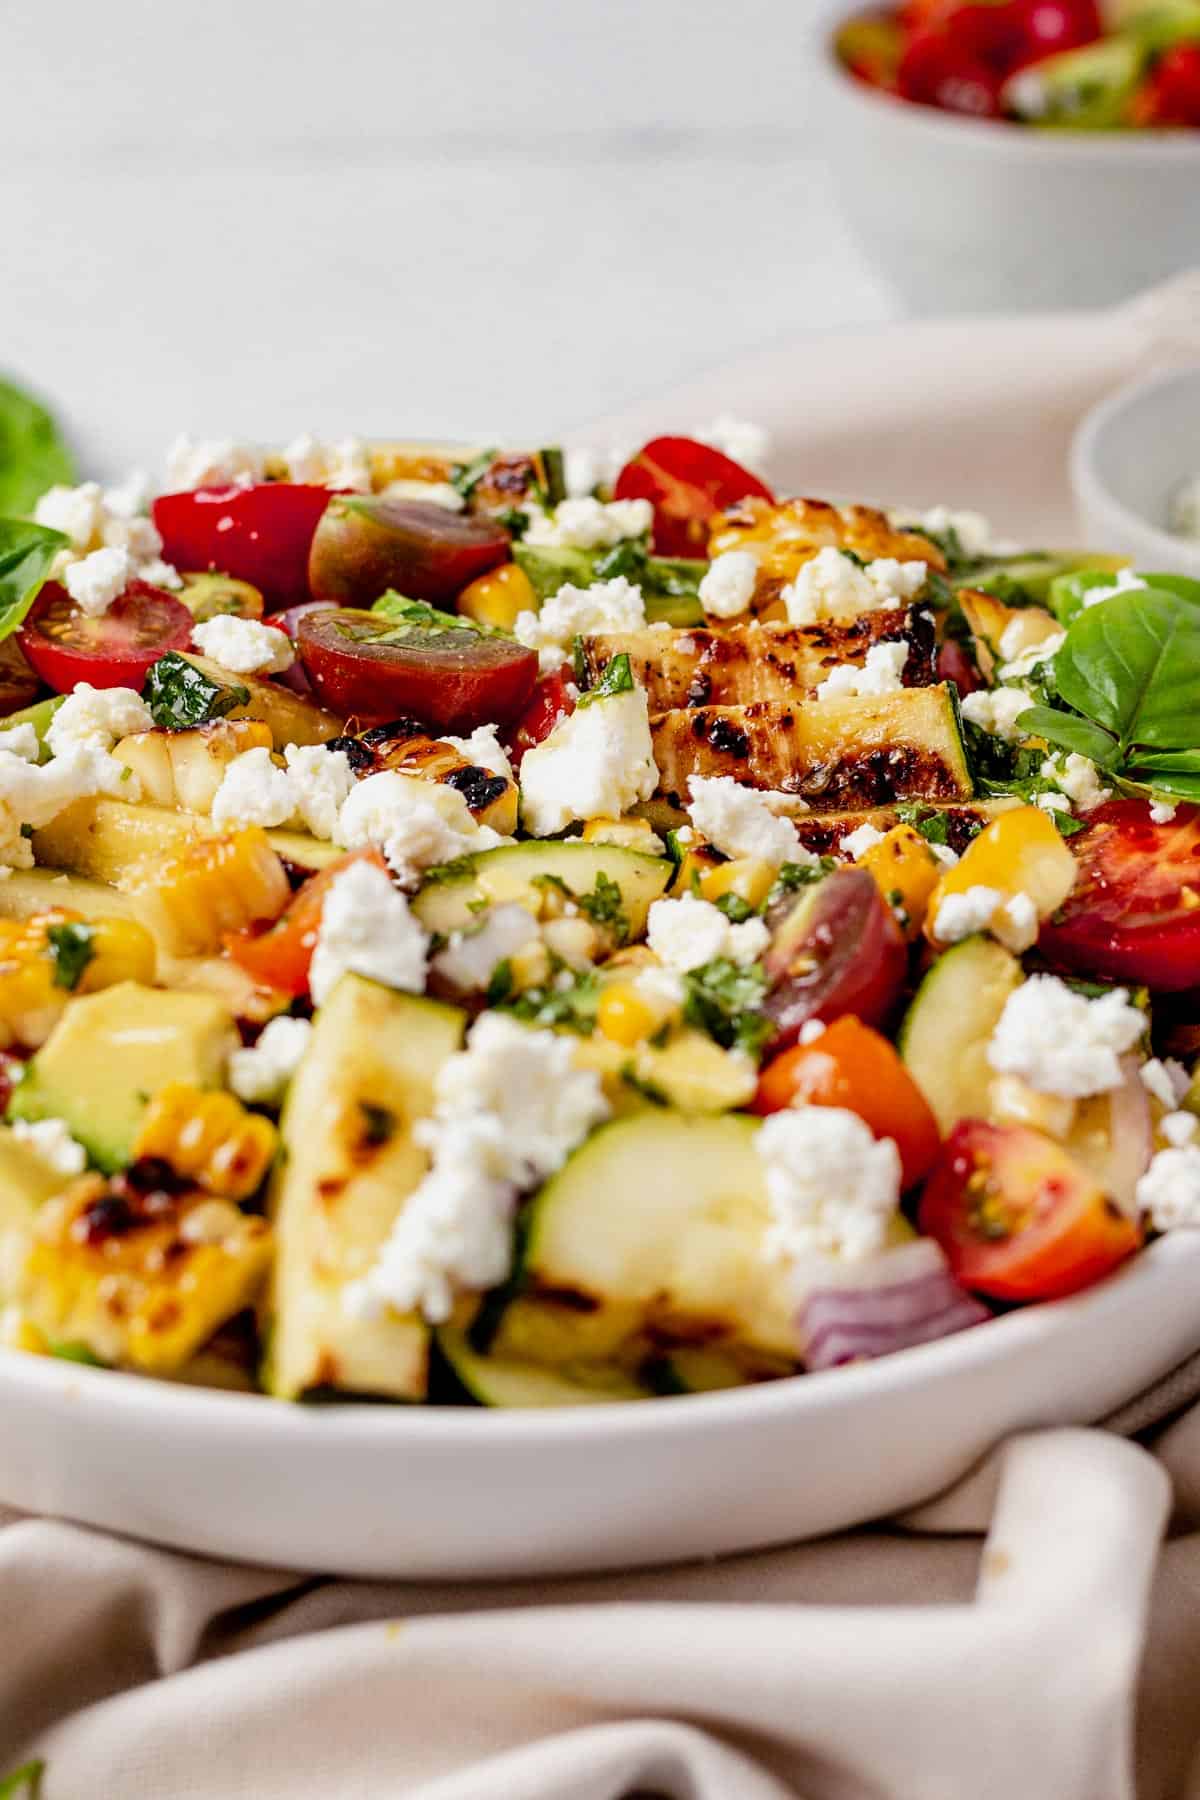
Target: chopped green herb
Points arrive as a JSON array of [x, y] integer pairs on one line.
[[605, 906], [459, 869], [724, 1000], [628, 558], [418, 615], [571, 1004], [72, 947], [791, 877], [554, 882], [500, 984], [515, 521], [735, 908], [647, 1089], [579, 662], [467, 476], [616, 679], [554, 471], [180, 696]]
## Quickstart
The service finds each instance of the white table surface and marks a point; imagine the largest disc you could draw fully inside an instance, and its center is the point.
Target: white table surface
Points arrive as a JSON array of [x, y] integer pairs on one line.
[[265, 216]]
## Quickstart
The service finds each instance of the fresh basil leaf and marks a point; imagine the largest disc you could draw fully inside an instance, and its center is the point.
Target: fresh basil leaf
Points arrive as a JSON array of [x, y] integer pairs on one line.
[[1132, 664], [72, 947], [1181, 784], [1066, 731], [573, 1006], [605, 907], [418, 615], [1181, 585], [725, 1000], [33, 456], [468, 476], [616, 679], [180, 696], [26, 552]]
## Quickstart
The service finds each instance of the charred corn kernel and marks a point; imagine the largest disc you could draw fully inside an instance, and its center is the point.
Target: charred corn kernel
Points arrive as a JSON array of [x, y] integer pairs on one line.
[[1012, 1101], [749, 877], [185, 768], [122, 950], [530, 967], [906, 873], [497, 598], [784, 536], [625, 1016], [51, 955], [207, 1137], [695, 864], [215, 886], [17, 1333], [1020, 853], [628, 834]]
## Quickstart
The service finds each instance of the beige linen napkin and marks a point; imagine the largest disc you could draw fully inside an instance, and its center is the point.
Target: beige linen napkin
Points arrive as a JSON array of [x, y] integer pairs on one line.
[[991, 1648]]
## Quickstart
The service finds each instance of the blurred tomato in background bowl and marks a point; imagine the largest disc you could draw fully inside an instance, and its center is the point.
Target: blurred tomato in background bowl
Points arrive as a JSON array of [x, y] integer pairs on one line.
[[993, 155]]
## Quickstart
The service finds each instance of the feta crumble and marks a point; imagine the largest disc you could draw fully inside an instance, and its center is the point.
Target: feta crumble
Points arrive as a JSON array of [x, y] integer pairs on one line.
[[321, 781], [21, 741], [1125, 582], [1179, 1128], [857, 843], [881, 673], [367, 929], [832, 587], [596, 763], [972, 529], [1166, 1080], [260, 1074], [342, 465], [996, 711], [93, 718], [739, 439], [739, 821], [1024, 665], [1079, 779], [1163, 811], [244, 646], [1169, 1191], [310, 791], [471, 957], [51, 1140], [727, 587], [212, 462], [75, 511], [833, 1188], [415, 823], [687, 933], [508, 1111], [98, 579], [433, 493], [585, 469], [588, 524], [615, 605], [1010, 918], [483, 750], [811, 1030], [1060, 1042]]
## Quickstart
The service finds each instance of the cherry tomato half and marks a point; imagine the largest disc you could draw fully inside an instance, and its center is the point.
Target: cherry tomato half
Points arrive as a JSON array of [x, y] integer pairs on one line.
[[279, 957], [1134, 913], [452, 677], [1048, 26], [66, 647], [688, 484], [937, 70], [1018, 1218], [856, 1068], [1170, 95], [19, 686], [368, 543], [261, 534], [551, 701]]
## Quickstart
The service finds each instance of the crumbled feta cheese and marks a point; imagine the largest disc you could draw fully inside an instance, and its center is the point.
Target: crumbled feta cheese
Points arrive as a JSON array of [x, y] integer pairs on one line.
[[1166, 1080], [140, 538], [586, 469], [687, 933], [472, 957], [75, 511], [254, 790], [508, 1111], [33, 794], [245, 646], [1024, 665], [811, 1030], [1163, 811], [833, 587], [343, 465], [260, 1074], [51, 1140], [98, 579], [1079, 779], [22, 741], [1028, 93], [96, 718], [321, 781], [415, 823], [1184, 512], [160, 574], [483, 750], [212, 462], [130, 498], [997, 711], [727, 587], [1012, 919], [738, 439], [832, 1186], [1052, 803], [1126, 582], [972, 529], [1060, 1042], [857, 843], [596, 763], [1169, 1191], [615, 605], [367, 929], [662, 986], [433, 493], [942, 853], [881, 673], [1179, 1128], [739, 821], [588, 524]]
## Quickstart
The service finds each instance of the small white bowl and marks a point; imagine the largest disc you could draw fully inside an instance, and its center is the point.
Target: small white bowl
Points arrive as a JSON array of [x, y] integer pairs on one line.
[[1128, 456], [973, 215]]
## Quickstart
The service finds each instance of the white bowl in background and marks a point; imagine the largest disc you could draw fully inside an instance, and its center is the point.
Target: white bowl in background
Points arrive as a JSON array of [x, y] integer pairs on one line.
[[974, 215], [1128, 456]]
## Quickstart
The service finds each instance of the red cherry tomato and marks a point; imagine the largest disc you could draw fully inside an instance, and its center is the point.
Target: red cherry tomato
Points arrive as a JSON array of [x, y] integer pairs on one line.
[[937, 71], [856, 1068], [19, 686], [452, 678], [1048, 26], [688, 484], [1018, 1218], [1170, 95], [260, 534], [552, 700], [66, 647], [1134, 913], [953, 664], [279, 957]]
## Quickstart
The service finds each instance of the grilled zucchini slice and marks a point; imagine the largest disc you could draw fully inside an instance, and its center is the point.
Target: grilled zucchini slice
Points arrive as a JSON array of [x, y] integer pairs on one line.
[[106, 840], [454, 897], [464, 1376]]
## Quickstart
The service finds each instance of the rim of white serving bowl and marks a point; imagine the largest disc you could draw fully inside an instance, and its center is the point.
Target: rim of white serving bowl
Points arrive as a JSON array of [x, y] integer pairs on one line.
[[996, 137], [1095, 495], [447, 1427]]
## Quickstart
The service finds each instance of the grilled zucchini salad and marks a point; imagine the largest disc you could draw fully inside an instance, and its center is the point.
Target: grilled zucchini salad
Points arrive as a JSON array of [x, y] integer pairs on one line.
[[474, 936]]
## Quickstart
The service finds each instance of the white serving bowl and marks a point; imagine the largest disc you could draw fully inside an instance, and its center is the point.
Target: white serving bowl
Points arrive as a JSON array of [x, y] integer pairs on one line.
[[1128, 456], [970, 215]]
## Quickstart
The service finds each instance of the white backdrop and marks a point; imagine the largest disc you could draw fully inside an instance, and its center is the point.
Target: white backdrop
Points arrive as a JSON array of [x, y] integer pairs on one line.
[[265, 216]]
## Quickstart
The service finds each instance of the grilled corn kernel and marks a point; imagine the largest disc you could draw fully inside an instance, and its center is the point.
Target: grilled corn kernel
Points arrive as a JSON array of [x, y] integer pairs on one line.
[[1020, 853], [497, 598], [529, 967], [695, 864], [628, 1017], [51, 955], [122, 950], [215, 886], [906, 872], [629, 834], [749, 877], [207, 1137]]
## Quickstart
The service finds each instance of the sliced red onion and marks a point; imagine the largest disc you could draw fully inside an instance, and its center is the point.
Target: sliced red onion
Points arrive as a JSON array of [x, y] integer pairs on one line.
[[902, 1297]]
